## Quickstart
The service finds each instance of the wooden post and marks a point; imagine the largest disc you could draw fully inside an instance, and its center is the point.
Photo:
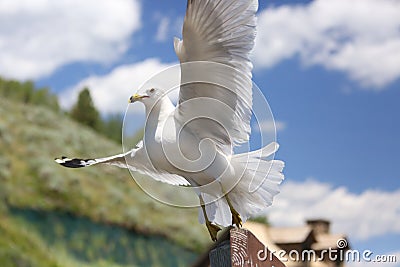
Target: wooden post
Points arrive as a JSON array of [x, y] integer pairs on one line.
[[242, 249]]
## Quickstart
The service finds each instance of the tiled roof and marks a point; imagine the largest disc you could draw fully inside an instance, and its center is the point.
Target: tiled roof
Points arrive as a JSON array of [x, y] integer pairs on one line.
[[289, 235], [326, 241], [274, 236]]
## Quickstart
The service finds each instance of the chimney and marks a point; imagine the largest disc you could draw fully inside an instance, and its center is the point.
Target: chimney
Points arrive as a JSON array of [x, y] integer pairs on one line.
[[319, 226]]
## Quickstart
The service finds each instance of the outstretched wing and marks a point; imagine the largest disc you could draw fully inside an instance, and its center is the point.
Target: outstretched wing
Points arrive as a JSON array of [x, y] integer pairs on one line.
[[116, 160], [130, 160], [221, 34]]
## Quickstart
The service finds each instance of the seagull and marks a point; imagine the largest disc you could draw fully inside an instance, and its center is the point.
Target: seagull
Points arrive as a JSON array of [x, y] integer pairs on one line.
[[191, 143]]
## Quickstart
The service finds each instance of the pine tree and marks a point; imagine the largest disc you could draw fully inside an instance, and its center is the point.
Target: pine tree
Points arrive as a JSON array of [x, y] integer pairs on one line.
[[85, 112]]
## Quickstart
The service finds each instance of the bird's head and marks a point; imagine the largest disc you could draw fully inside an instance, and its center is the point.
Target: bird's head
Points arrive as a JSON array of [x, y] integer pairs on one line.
[[146, 96]]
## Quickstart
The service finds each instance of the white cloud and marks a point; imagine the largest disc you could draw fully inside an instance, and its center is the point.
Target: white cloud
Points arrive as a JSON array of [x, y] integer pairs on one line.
[[168, 27], [111, 92], [362, 216], [269, 126], [39, 36], [163, 29], [358, 37]]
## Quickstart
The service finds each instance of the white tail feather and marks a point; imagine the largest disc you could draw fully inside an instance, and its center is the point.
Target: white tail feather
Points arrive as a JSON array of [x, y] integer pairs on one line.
[[255, 190]]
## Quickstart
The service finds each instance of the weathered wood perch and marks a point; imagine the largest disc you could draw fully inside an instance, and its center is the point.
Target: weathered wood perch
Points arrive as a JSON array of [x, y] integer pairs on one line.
[[242, 249]]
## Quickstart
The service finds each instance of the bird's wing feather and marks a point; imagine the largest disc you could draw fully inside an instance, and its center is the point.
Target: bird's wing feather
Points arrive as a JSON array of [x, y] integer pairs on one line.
[[220, 31], [116, 160], [126, 160]]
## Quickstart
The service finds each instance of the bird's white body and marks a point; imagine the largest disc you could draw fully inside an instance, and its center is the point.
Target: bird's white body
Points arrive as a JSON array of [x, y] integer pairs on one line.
[[170, 148]]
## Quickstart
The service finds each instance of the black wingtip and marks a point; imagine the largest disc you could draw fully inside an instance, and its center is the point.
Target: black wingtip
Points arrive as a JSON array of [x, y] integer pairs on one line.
[[71, 163]]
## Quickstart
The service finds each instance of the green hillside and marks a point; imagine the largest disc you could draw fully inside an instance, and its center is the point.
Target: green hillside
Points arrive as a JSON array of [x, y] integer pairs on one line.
[[98, 216]]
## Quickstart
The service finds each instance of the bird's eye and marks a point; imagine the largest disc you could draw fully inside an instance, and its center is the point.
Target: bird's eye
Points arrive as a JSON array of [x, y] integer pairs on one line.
[[152, 90]]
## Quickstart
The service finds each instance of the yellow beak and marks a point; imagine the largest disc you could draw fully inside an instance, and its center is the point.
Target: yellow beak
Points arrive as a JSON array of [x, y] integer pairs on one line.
[[136, 97]]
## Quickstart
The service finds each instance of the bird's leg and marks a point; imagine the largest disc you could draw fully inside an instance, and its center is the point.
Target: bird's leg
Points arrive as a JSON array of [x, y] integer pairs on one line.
[[212, 228], [236, 220]]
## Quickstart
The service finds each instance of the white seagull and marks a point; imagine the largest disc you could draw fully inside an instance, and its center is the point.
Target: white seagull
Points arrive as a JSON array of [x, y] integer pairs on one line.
[[191, 144]]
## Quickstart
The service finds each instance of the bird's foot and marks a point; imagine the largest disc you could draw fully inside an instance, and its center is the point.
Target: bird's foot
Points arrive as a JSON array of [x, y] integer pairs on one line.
[[213, 230], [236, 220]]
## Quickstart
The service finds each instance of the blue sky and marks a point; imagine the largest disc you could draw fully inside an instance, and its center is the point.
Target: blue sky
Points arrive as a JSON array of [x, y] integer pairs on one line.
[[329, 69]]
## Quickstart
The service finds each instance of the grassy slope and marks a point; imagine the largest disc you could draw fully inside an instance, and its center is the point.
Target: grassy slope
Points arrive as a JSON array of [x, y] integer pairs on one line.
[[20, 248], [31, 136]]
